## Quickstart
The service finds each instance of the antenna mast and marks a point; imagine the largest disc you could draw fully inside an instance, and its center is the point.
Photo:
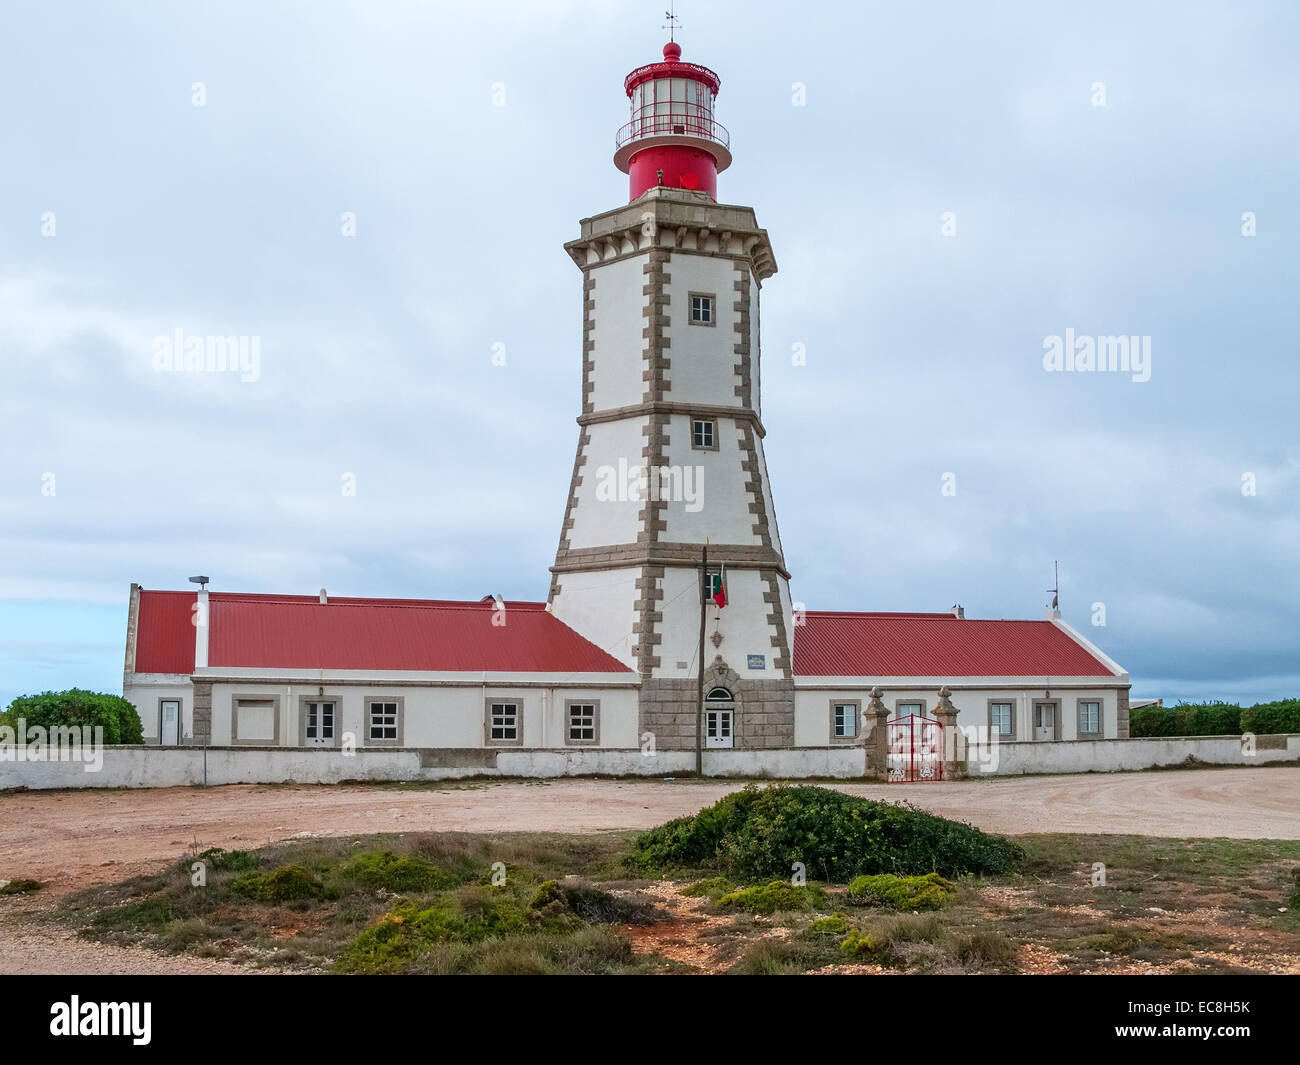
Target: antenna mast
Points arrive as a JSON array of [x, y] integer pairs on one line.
[[1056, 591]]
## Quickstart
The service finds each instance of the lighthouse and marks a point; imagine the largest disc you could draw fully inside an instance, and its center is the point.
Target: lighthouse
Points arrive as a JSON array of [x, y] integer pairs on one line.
[[670, 441]]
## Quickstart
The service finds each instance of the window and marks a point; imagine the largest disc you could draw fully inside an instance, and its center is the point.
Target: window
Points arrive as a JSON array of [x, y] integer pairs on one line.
[[384, 721], [1089, 718], [255, 720], [844, 720], [701, 309], [713, 582], [582, 722], [704, 435], [504, 721], [1002, 721], [906, 708]]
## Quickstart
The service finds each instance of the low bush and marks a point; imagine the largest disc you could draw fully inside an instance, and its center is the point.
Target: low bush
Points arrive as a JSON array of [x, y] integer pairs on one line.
[[1186, 719], [288, 883], [890, 942], [1265, 719], [771, 898], [21, 886], [928, 892], [75, 707], [475, 914], [386, 871], [760, 832], [712, 889], [223, 860]]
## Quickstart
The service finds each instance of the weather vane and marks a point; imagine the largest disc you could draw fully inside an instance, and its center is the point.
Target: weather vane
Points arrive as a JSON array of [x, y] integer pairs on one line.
[[673, 25]]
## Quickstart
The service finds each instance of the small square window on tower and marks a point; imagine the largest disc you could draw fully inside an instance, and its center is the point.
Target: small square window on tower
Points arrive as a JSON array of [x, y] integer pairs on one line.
[[712, 582], [704, 435], [701, 308]]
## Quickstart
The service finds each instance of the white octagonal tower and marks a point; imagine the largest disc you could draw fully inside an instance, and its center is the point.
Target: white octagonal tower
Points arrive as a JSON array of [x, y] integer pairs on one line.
[[670, 449]]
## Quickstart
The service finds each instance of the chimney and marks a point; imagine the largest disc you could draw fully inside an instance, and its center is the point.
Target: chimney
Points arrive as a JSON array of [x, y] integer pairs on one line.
[[324, 597], [959, 612]]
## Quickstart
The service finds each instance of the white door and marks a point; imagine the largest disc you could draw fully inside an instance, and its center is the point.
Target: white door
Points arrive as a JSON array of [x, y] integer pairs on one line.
[[717, 728], [170, 727], [1044, 721], [318, 729]]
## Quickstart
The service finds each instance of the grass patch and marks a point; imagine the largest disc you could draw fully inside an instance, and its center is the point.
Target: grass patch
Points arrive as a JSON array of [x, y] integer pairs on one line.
[[425, 903], [783, 957]]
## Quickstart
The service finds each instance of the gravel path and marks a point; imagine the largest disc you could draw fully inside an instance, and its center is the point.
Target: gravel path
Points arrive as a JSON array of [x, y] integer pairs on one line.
[[73, 839]]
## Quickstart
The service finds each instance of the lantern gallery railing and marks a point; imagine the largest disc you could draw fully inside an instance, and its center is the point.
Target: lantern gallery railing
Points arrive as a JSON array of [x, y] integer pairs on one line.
[[673, 124]]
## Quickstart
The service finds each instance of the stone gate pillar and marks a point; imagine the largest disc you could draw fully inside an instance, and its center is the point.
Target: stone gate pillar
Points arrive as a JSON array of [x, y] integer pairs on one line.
[[954, 752], [878, 745]]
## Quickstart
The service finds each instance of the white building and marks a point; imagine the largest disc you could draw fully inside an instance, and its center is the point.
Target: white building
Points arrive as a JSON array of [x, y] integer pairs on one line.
[[670, 458]]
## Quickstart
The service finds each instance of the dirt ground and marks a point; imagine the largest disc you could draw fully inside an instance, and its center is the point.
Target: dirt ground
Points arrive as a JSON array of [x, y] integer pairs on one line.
[[73, 839]]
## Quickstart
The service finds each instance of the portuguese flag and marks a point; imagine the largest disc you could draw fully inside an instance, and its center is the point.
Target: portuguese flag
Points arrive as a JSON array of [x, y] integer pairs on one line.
[[720, 593]]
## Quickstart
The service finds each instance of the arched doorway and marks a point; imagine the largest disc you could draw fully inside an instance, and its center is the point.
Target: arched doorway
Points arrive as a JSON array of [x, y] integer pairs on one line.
[[719, 718]]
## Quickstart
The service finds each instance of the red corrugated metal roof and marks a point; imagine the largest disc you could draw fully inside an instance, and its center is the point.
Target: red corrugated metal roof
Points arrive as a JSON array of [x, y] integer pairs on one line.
[[164, 635], [299, 632], [936, 645]]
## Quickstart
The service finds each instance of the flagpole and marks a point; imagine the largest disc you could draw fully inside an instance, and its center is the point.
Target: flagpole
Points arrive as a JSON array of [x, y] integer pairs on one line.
[[699, 705]]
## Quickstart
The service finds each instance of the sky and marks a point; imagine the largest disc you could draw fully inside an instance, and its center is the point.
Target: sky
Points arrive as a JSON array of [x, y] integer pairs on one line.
[[947, 186]]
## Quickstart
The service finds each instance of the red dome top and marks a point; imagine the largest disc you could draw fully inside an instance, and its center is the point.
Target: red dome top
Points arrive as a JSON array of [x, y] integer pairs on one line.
[[673, 67]]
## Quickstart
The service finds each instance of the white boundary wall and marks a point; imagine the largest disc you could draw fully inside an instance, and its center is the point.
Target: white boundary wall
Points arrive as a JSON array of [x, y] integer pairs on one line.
[[161, 767], [1111, 756]]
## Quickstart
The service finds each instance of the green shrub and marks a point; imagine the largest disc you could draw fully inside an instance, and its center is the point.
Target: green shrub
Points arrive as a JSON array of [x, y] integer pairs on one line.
[[21, 886], [928, 892], [713, 888], [858, 943], [288, 883], [761, 832], [385, 871], [1266, 719], [589, 905], [829, 926], [1186, 719], [224, 861], [432, 937], [117, 717], [770, 898]]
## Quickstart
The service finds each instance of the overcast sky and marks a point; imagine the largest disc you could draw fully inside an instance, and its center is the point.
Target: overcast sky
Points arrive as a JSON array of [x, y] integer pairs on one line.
[[469, 139]]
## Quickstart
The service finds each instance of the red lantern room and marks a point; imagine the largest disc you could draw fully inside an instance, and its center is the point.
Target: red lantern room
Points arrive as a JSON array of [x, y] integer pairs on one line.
[[672, 139]]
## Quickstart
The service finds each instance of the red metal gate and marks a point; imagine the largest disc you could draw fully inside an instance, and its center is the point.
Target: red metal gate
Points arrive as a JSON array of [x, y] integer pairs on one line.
[[915, 749]]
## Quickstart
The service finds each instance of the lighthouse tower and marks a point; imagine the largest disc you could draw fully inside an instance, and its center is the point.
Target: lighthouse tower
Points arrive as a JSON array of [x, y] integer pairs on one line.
[[670, 445]]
